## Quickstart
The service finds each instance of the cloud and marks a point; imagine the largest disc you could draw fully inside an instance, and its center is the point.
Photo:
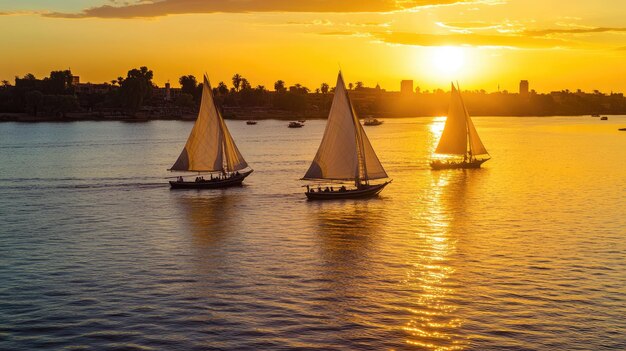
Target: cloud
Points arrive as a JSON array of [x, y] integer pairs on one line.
[[479, 40], [19, 13], [171, 7], [469, 27], [546, 32], [342, 33]]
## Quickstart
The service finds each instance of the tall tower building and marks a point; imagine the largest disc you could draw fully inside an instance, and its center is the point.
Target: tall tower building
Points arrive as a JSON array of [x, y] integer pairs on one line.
[[523, 88], [406, 87]]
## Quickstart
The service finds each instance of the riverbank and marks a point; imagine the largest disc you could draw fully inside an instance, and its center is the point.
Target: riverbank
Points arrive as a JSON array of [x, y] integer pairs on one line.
[[284, 116]]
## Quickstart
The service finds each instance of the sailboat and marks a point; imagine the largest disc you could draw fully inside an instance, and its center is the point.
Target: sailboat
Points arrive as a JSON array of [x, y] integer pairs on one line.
[[210, 149], [459, 138], [345, 154]]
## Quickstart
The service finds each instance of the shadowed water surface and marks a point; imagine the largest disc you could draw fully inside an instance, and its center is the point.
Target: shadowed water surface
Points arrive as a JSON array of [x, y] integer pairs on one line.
[[528, 253]]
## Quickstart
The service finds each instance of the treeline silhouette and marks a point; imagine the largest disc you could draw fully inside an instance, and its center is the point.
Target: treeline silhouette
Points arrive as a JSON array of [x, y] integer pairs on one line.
[[136, 95]]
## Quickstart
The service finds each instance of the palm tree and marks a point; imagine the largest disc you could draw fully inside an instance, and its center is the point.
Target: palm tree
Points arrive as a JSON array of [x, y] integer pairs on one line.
[[237, 81], [324, 88], [279, 86], [359, 85], [222, 88], [245, 84]]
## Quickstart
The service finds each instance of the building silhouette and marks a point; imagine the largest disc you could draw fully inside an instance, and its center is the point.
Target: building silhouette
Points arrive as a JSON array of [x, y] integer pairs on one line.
[[523, 88], [406, 87]]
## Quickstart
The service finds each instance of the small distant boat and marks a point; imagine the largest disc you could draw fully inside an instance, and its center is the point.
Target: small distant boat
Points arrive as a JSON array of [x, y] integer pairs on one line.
[[459, 138], [345, 154], [604, 118], [210, 149], [295, 125], [250, 122], [622, 129], [372, 122]]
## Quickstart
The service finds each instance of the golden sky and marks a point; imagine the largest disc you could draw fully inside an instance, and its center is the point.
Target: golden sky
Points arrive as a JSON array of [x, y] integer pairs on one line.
[[556, 44]]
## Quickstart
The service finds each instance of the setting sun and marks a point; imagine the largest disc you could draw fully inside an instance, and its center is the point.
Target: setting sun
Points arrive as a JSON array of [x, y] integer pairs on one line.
[[447, 60]]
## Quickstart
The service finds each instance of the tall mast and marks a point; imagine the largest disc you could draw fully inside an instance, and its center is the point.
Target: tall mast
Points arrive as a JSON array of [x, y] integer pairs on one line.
[[467, 130], [359, 143], [217, 112]]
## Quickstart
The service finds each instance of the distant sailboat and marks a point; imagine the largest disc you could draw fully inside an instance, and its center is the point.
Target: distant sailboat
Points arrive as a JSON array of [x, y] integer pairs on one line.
[[459, 138], [210, 148], [345, 154]]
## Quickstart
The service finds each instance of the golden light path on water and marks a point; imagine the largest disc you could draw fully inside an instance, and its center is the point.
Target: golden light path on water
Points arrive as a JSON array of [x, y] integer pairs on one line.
[[435, 326]]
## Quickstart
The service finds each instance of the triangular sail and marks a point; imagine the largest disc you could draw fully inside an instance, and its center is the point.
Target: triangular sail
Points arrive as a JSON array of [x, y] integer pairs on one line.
[[476, 144], [209, 143], [373, 168], [345, 153], [234, 159], [454, 137]]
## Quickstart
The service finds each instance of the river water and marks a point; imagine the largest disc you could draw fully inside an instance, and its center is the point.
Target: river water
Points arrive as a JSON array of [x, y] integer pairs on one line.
[[527, 253]]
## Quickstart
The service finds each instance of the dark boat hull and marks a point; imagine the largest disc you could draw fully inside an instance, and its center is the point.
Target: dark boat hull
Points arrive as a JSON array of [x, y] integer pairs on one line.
[[370, 191], [457, 165], [211, 184]]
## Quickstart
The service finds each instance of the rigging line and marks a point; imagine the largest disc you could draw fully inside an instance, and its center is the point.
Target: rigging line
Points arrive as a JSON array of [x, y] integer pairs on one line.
[[467, 126], [221, 121], [358, 136]]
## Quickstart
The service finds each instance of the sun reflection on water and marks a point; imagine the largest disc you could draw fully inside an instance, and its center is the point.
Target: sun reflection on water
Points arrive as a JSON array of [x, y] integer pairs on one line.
[[433, 325]]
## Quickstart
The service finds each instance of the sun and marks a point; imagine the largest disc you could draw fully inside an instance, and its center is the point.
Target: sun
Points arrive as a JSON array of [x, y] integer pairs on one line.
[[447, 60]]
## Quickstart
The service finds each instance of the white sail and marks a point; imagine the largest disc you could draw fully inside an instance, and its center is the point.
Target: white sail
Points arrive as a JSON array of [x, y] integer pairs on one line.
[[234, 159], [454, 137], [476, 144], [373, 168], [209, 143], [345, 153]]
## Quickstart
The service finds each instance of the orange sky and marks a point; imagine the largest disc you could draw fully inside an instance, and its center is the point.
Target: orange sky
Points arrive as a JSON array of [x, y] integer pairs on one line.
[[556, 44]]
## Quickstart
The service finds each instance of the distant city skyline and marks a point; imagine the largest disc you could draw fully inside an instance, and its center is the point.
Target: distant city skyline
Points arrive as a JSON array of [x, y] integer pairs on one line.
[[481, 43]]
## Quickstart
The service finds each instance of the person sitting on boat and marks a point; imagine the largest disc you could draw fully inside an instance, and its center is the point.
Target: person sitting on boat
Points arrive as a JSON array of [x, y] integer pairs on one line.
[[331, 189], [343, 188], [180, 179], [326, 190]]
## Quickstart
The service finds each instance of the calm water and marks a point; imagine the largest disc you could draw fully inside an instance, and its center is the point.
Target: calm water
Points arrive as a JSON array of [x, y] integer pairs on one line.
[[528, 253]]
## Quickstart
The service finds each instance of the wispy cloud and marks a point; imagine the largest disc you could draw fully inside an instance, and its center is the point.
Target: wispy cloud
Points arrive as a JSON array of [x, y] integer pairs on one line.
[[20, 13], [546, 32], [170, 7], [477, 40], [470, 27], [328, 23], [481, 40]]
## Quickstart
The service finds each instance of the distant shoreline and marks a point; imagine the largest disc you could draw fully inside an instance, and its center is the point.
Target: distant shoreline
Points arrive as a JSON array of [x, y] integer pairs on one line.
[[80, 117]]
